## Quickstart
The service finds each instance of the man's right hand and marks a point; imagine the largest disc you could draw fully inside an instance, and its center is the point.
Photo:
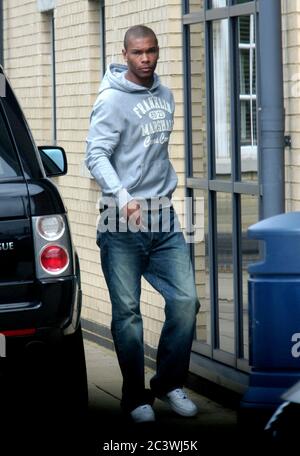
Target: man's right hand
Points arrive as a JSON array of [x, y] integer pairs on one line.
[[132, 212]]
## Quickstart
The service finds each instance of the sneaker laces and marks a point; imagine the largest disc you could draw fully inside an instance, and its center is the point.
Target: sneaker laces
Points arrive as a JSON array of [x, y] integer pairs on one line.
[[180, 393]]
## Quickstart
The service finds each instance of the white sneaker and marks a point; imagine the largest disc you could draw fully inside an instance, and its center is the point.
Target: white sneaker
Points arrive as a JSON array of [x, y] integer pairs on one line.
[[143, 414], [180, 403]]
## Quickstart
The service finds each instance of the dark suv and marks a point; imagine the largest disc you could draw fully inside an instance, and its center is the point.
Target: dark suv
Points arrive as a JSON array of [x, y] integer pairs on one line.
[[40, 292]]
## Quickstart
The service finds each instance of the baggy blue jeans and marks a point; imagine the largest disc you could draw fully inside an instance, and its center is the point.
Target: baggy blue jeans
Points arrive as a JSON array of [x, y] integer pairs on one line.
[[163, 259]]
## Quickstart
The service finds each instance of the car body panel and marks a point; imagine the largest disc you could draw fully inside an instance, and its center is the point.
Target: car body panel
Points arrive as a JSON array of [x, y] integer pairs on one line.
[[25, 300]]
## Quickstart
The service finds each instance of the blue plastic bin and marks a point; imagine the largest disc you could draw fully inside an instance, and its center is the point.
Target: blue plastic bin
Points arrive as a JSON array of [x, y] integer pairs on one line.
[[274, 310]]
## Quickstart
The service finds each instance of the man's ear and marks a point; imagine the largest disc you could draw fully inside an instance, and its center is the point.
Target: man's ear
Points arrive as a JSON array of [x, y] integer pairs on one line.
[[124, 53]]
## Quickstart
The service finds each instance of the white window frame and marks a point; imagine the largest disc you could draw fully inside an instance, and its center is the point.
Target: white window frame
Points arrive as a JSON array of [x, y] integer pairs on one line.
[[249, 151]]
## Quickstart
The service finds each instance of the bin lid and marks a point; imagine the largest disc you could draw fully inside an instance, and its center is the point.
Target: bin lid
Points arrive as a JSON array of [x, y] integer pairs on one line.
[[281, 236]]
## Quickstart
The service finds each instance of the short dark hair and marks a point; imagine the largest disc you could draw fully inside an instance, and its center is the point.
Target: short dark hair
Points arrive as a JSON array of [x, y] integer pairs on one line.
[[138, 31]]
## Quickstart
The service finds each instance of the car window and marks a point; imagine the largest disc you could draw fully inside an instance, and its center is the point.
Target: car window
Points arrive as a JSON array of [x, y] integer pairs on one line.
[[9, 163]]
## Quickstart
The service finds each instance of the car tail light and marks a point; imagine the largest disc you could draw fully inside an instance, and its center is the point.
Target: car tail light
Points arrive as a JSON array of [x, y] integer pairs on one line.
[[53, 246], [51, 227], [54, 259], [19, 332]]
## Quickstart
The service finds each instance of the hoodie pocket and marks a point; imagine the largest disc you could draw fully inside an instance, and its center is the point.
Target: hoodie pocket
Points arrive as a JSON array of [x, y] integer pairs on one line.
[[158, 177], [133, 181]]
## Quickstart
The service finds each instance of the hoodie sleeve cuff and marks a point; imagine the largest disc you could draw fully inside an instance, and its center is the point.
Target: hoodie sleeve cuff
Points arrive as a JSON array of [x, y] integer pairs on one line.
[[123, 198]]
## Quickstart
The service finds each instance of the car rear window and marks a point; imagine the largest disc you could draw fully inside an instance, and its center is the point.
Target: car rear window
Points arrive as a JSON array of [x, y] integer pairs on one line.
[[9, 163]]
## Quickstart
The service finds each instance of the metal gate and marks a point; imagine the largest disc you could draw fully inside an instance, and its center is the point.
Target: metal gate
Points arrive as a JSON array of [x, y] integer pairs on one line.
[[225, 145]]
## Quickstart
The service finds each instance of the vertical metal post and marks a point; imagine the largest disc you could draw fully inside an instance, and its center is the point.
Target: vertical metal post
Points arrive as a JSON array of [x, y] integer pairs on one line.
[[102, 37], [53, 74], [212, 196], [271, 109], [236, 176], [266, 384], [1, 34], [189, 208]]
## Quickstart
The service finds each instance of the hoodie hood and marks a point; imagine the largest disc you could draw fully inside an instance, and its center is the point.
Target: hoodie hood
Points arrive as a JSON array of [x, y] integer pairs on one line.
[[115, 79]]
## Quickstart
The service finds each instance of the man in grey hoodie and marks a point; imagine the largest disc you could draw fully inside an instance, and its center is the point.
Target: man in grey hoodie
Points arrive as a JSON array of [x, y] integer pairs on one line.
[[127, 153]]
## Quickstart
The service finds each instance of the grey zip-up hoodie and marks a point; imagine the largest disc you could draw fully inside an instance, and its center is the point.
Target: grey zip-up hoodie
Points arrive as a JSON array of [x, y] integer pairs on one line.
[[127, 143]]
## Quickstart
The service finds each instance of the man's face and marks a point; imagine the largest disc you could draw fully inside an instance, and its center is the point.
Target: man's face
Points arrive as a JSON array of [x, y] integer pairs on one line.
[[141, 56]]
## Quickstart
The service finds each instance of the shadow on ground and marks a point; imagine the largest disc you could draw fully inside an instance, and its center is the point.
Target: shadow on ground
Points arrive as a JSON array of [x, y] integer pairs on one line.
[[35, 421]]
